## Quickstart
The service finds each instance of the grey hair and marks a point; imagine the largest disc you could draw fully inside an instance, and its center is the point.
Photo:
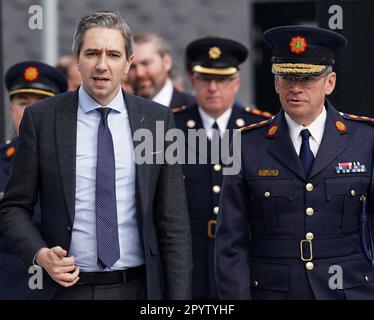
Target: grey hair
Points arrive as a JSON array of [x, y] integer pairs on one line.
[[103, 19], [161, 45]]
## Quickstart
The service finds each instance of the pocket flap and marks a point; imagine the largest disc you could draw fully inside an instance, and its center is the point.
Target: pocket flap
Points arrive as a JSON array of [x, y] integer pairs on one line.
[[268, 188], [271, 276], [344, 185]]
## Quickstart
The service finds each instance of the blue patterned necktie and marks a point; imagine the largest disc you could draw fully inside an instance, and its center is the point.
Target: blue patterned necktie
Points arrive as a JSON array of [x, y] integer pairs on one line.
[[306, 155], [108, 251]]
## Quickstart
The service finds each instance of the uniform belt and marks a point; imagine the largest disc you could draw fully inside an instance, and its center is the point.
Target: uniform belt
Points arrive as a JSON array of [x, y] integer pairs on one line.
[[290, 249], [111, 277]]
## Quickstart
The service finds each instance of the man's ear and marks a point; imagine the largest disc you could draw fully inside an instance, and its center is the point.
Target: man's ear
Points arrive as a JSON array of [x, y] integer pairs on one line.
[[128, 63], [167, 61], [276, 84], [330, 83]]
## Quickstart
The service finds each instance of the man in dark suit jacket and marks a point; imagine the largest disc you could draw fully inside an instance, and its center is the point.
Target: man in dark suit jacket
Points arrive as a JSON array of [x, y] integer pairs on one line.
[[291, 220], [216, 81], [150, 72], [118, 231], [27, 82]]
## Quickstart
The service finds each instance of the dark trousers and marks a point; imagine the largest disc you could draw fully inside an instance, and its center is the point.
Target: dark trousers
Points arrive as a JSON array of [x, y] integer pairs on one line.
[[136, 289]]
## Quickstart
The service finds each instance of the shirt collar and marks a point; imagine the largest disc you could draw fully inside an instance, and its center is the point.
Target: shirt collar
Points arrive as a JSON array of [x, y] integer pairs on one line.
[[87, 103], [316, 128], [165, 94], [222, 120]]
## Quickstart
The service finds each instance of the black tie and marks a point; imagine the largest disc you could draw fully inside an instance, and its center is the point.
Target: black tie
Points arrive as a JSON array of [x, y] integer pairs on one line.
[[216, 144], [108, 251], [306, 155]]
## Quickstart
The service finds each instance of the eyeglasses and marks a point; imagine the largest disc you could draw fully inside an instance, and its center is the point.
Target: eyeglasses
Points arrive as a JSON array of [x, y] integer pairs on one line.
[[206, 80], [305, 81]]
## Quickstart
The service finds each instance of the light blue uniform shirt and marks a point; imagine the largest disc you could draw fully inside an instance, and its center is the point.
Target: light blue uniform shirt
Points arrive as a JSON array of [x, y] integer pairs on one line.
[[84, 241]]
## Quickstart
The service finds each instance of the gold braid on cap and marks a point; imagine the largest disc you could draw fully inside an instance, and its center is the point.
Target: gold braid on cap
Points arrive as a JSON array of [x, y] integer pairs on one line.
[[297, 68]]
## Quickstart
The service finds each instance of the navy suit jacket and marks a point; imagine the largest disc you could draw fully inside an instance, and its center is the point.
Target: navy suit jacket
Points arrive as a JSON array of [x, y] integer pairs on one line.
[[266, 215]]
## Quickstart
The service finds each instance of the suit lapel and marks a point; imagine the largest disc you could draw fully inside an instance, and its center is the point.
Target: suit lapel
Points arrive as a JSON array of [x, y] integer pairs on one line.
[[66, 138], [137, 121], [333, 142], [282, 148]]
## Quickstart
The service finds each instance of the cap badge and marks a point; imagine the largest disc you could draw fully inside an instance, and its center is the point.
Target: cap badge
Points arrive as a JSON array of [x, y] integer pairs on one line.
[[298, 44], [31, 74], [273, 131], [214, 53], [340, 126]]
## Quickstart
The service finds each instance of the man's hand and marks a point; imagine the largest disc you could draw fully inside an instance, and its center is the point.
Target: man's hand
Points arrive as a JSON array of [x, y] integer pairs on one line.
[[60, 267]]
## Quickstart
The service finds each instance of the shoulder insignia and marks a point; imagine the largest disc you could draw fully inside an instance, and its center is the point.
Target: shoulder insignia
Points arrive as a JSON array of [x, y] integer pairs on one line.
[[357, 118], [178, 109], [258, 112], [253, 126], [273, 130]]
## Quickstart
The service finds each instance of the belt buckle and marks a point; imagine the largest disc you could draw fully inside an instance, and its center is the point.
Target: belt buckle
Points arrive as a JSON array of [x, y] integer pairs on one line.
[[302, 250], [212, 228]]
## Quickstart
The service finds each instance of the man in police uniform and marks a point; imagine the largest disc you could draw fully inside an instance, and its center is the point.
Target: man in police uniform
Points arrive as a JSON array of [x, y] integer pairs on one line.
[[216, 81], [302, 186], [27, 82]]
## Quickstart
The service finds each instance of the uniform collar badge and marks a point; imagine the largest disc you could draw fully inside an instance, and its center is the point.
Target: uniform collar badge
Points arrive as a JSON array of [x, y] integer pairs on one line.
[[350, 167], [340, 125], [273, 130], [10, 152]]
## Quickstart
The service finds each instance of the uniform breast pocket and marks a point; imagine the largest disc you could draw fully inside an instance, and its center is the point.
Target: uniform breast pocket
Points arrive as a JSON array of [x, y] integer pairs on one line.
[[343, 201], [272, 209]]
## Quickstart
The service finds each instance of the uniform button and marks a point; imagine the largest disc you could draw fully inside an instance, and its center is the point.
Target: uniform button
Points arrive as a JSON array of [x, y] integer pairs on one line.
[[366, 278], [309, 236], [309, 266], [267, 194], [309, 211], [68, 228], [353, 193], [255, 283], [309, 187], [216, 189], [215, 210], [217, 167], [191, 124]]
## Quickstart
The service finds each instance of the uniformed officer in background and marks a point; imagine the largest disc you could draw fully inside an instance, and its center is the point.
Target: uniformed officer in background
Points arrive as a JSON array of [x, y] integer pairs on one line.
[[302, 187], [27, 82], [216, 81]]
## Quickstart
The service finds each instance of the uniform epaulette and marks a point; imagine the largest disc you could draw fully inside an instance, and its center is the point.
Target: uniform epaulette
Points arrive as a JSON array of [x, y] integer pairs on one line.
[[258, 112], [358, 118], [254, 125], [179, 109]]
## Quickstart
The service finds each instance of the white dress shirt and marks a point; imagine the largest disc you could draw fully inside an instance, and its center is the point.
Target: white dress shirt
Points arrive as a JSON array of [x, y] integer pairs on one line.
[[84, 241], [316, 129], [208, 121], [165, 94]]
